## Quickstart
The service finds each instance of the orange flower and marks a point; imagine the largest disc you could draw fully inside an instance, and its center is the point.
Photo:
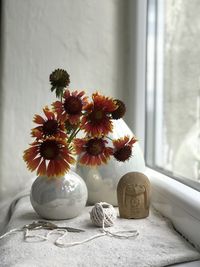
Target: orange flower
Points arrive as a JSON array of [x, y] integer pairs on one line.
[[49, 126], [93, 151], [97, 120], [72, 107], [123, 148], [51, 157]]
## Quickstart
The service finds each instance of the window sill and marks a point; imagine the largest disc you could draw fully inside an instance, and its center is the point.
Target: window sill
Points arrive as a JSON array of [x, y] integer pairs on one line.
[[178, 202]]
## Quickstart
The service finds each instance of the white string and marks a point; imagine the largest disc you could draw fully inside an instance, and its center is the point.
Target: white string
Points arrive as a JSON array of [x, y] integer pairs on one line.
[[11, 232], [118, 234], [27, 235], [103, 212], [59, 242], [106, 219]]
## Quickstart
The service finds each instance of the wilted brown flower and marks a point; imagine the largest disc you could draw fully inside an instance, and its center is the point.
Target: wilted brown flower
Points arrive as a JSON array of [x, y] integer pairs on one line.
[[119, 112], [59, 79]]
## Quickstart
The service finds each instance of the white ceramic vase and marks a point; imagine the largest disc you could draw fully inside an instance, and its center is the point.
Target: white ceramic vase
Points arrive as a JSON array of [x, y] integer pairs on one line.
[[102, 181], [60, 197]]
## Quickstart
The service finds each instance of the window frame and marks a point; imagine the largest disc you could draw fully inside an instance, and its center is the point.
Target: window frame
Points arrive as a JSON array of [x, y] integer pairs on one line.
[[174, 199], [153, 91]]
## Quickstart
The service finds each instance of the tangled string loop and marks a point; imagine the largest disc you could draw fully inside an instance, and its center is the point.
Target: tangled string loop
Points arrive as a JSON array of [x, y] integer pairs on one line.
[[102, 215]]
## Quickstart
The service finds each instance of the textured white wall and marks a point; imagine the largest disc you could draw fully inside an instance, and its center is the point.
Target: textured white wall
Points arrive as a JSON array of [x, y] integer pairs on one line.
[[88, 38]]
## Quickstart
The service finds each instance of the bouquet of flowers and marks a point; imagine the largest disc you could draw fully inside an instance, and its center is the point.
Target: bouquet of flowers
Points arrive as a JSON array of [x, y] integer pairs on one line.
[[55, 136]]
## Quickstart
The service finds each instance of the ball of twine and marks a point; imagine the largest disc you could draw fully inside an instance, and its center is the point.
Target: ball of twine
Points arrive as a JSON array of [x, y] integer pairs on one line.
[[103, 214]]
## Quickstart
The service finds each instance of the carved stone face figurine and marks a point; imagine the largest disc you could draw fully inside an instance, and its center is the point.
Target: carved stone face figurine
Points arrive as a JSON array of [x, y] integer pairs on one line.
[[133, 195]]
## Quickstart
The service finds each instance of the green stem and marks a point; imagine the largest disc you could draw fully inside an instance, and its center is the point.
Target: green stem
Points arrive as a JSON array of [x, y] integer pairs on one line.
[[70, 148], [73, 134], [109, 138], [76, 132], [71, 137], [61, 96]]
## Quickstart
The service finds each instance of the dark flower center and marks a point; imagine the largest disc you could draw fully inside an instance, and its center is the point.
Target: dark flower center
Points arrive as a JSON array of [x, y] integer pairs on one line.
[[59, 78], [95, 146], [73, 105], [97, 116], [123, 153], [49, 149], [50, 127], [120, 110]]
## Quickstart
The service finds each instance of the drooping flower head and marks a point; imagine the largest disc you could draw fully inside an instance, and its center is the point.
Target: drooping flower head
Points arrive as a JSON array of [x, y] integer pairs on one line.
[[51, 157], [97, 119], [123, 148], [59, 79], [93, 151], [49, 126], [71, 108], [119, 112]]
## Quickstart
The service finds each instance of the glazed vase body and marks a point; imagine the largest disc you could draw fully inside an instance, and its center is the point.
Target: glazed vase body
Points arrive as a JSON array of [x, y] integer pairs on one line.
[[102, 181], [60, 197]]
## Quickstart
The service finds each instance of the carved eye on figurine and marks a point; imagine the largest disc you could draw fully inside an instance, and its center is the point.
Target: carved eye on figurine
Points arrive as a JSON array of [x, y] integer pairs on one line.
[[139, 189], [133, 195], [129, 189]]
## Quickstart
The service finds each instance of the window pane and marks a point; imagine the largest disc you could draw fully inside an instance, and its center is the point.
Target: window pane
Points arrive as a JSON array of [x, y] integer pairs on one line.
[[176, 76]]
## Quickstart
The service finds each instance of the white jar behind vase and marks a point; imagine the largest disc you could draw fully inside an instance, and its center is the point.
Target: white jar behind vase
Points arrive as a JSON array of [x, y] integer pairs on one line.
[[102, 181]]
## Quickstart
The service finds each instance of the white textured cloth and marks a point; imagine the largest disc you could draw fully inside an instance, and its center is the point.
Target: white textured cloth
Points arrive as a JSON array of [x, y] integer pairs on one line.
[[157, 245]]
